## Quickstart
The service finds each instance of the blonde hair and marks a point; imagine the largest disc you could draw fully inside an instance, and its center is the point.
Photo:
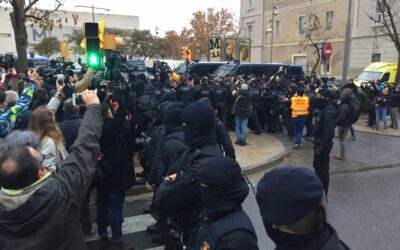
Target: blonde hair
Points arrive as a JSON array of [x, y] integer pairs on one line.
[[42, 123]]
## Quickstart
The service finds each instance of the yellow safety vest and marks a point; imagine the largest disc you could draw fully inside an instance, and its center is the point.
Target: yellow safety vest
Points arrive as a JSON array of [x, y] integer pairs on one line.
[[300, 106]]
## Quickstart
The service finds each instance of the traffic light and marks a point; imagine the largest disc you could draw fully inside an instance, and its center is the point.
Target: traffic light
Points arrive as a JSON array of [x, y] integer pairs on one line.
[[94, 57]]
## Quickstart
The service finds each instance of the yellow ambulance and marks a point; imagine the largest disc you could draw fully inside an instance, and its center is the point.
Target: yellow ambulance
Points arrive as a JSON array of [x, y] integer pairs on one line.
[[377, 71]]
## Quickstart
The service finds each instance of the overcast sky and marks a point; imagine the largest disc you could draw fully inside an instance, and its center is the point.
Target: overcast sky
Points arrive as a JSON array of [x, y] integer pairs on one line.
[[165, 14]]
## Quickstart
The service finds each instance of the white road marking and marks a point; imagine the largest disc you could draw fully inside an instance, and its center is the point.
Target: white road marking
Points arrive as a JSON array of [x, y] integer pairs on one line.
[[130, 225]]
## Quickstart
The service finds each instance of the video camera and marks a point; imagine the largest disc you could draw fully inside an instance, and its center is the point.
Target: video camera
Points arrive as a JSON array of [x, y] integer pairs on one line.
[[117, 68]]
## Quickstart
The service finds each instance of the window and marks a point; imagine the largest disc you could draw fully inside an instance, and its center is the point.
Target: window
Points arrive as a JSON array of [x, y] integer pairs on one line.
[[329, 20], [5, 35], [302, 23], [249, 31], [376, 57], [251, 4], [278, 28]]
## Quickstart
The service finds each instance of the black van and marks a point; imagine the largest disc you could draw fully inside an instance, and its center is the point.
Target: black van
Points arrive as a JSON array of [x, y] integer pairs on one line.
[[258, 69], [199, 69]]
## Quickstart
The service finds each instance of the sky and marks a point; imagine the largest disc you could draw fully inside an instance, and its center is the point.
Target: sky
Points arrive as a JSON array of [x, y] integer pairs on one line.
[[165, 14]]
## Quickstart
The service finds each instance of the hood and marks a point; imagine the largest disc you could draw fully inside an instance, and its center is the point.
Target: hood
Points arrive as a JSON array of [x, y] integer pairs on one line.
[[21, 212], [172, 115]]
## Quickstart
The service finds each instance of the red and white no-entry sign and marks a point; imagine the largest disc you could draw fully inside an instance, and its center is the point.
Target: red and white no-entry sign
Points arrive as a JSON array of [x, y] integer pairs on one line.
[[328, 50]]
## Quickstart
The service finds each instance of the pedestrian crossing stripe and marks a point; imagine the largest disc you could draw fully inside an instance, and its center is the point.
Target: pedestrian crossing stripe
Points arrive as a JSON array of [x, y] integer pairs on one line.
[[130, 225]]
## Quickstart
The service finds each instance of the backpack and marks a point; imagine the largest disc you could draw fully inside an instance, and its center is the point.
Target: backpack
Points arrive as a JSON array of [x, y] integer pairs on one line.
[[355, 111]]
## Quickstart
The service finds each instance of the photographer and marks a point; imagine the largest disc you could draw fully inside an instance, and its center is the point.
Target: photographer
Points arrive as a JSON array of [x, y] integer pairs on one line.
[[39, 210], [9, 116]]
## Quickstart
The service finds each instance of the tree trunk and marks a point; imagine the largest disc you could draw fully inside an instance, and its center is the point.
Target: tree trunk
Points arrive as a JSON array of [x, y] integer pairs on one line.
[[397, 80], [21, 36], [317, 51]]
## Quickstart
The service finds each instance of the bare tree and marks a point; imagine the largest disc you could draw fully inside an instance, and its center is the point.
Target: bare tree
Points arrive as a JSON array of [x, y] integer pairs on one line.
[[373, 45], [314, 36], [390, 9], [24, 11]]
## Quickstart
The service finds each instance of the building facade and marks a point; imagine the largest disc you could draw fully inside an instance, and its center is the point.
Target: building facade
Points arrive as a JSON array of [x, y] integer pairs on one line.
[[368, 44], [286, 31], [69, 21]]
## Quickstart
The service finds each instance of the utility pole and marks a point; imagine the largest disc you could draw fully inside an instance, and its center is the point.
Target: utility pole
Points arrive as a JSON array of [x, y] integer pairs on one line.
[[272, 29], [346, 45], [157, 29], [91, 7]]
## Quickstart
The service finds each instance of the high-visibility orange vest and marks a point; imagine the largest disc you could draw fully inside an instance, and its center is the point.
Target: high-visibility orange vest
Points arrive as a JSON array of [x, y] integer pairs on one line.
[[300, 106]]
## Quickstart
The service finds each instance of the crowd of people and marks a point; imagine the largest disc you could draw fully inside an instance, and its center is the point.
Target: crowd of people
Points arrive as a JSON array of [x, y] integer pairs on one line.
[[54, 152]]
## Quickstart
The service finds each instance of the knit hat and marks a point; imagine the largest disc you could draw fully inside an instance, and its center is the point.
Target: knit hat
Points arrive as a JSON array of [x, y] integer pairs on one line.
[[244, 86], [199, 114], [172, 114], [287, 194], [219, 171]]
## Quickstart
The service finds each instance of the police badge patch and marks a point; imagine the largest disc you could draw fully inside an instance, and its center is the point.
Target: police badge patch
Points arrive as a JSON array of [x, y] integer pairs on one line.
[[205, 246]]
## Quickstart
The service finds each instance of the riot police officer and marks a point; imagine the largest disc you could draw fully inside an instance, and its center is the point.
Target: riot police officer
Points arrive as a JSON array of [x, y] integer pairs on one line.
[[255, 95], [221, 99], [204, 90], [185, 92]]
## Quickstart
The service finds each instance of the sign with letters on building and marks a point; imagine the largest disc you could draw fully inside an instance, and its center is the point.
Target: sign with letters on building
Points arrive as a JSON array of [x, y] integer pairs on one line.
[[214, 45]]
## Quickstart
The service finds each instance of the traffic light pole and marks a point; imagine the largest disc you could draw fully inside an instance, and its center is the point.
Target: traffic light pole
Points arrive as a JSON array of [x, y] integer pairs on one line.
[[91, 7], [346, 45], [272, 31]]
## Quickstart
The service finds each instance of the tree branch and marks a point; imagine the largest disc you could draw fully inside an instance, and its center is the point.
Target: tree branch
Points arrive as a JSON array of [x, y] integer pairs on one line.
[[30, 5]]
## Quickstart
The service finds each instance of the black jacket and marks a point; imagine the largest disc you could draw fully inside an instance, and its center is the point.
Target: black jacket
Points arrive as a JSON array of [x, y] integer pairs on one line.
[[324, 127], [116, 148], [242, 104], [50, 218], [155, 154], [69, 128], [343, 118], [223, 139], [173, 147]]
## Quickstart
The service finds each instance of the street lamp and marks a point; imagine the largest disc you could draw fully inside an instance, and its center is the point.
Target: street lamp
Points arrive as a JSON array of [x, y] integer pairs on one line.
[[274, 13], [91, 7]]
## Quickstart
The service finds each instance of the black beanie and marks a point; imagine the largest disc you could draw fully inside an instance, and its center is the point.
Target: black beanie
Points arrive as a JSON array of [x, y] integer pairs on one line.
[[219, 171], [199, 115], [172, 114], [167, 97], [285, 195]]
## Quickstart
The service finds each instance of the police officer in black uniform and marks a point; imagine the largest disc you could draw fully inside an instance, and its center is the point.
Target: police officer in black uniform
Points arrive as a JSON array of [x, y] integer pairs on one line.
[[185, 92], [204, 90], [255, 95], [223, 224], [221, 100]]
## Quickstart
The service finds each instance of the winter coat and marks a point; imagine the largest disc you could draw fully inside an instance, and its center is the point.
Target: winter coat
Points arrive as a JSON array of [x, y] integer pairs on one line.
[[223, 139], [324, 128], [116, 148], [46, 215], [155, 154], [344, 111], [242, 105]]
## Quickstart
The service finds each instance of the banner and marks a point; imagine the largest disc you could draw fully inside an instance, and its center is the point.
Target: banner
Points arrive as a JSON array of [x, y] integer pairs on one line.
[[64, 51], [214, 46], [230, 49], [245, 48]]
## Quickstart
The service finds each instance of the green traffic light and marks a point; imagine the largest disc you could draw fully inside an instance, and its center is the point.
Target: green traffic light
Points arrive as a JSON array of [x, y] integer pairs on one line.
[[94, 60]]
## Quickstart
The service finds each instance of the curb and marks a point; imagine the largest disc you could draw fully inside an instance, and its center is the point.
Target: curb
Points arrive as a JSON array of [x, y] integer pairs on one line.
[[374, 133], [365, 169], [268, 163]]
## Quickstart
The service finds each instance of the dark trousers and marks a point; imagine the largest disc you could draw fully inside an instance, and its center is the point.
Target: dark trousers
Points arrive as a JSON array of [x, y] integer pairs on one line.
[[222, 114], [114, 202], [321, 165], [287, 116], [371, 116], [309, 125], [255, 122], [86, 224], [299, 124]]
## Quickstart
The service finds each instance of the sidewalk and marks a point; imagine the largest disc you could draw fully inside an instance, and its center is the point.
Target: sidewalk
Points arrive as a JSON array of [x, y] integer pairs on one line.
[[360, 127], [261, 152]]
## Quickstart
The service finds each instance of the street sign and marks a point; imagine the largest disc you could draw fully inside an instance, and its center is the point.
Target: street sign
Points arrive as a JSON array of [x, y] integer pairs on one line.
[[328, 50]]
